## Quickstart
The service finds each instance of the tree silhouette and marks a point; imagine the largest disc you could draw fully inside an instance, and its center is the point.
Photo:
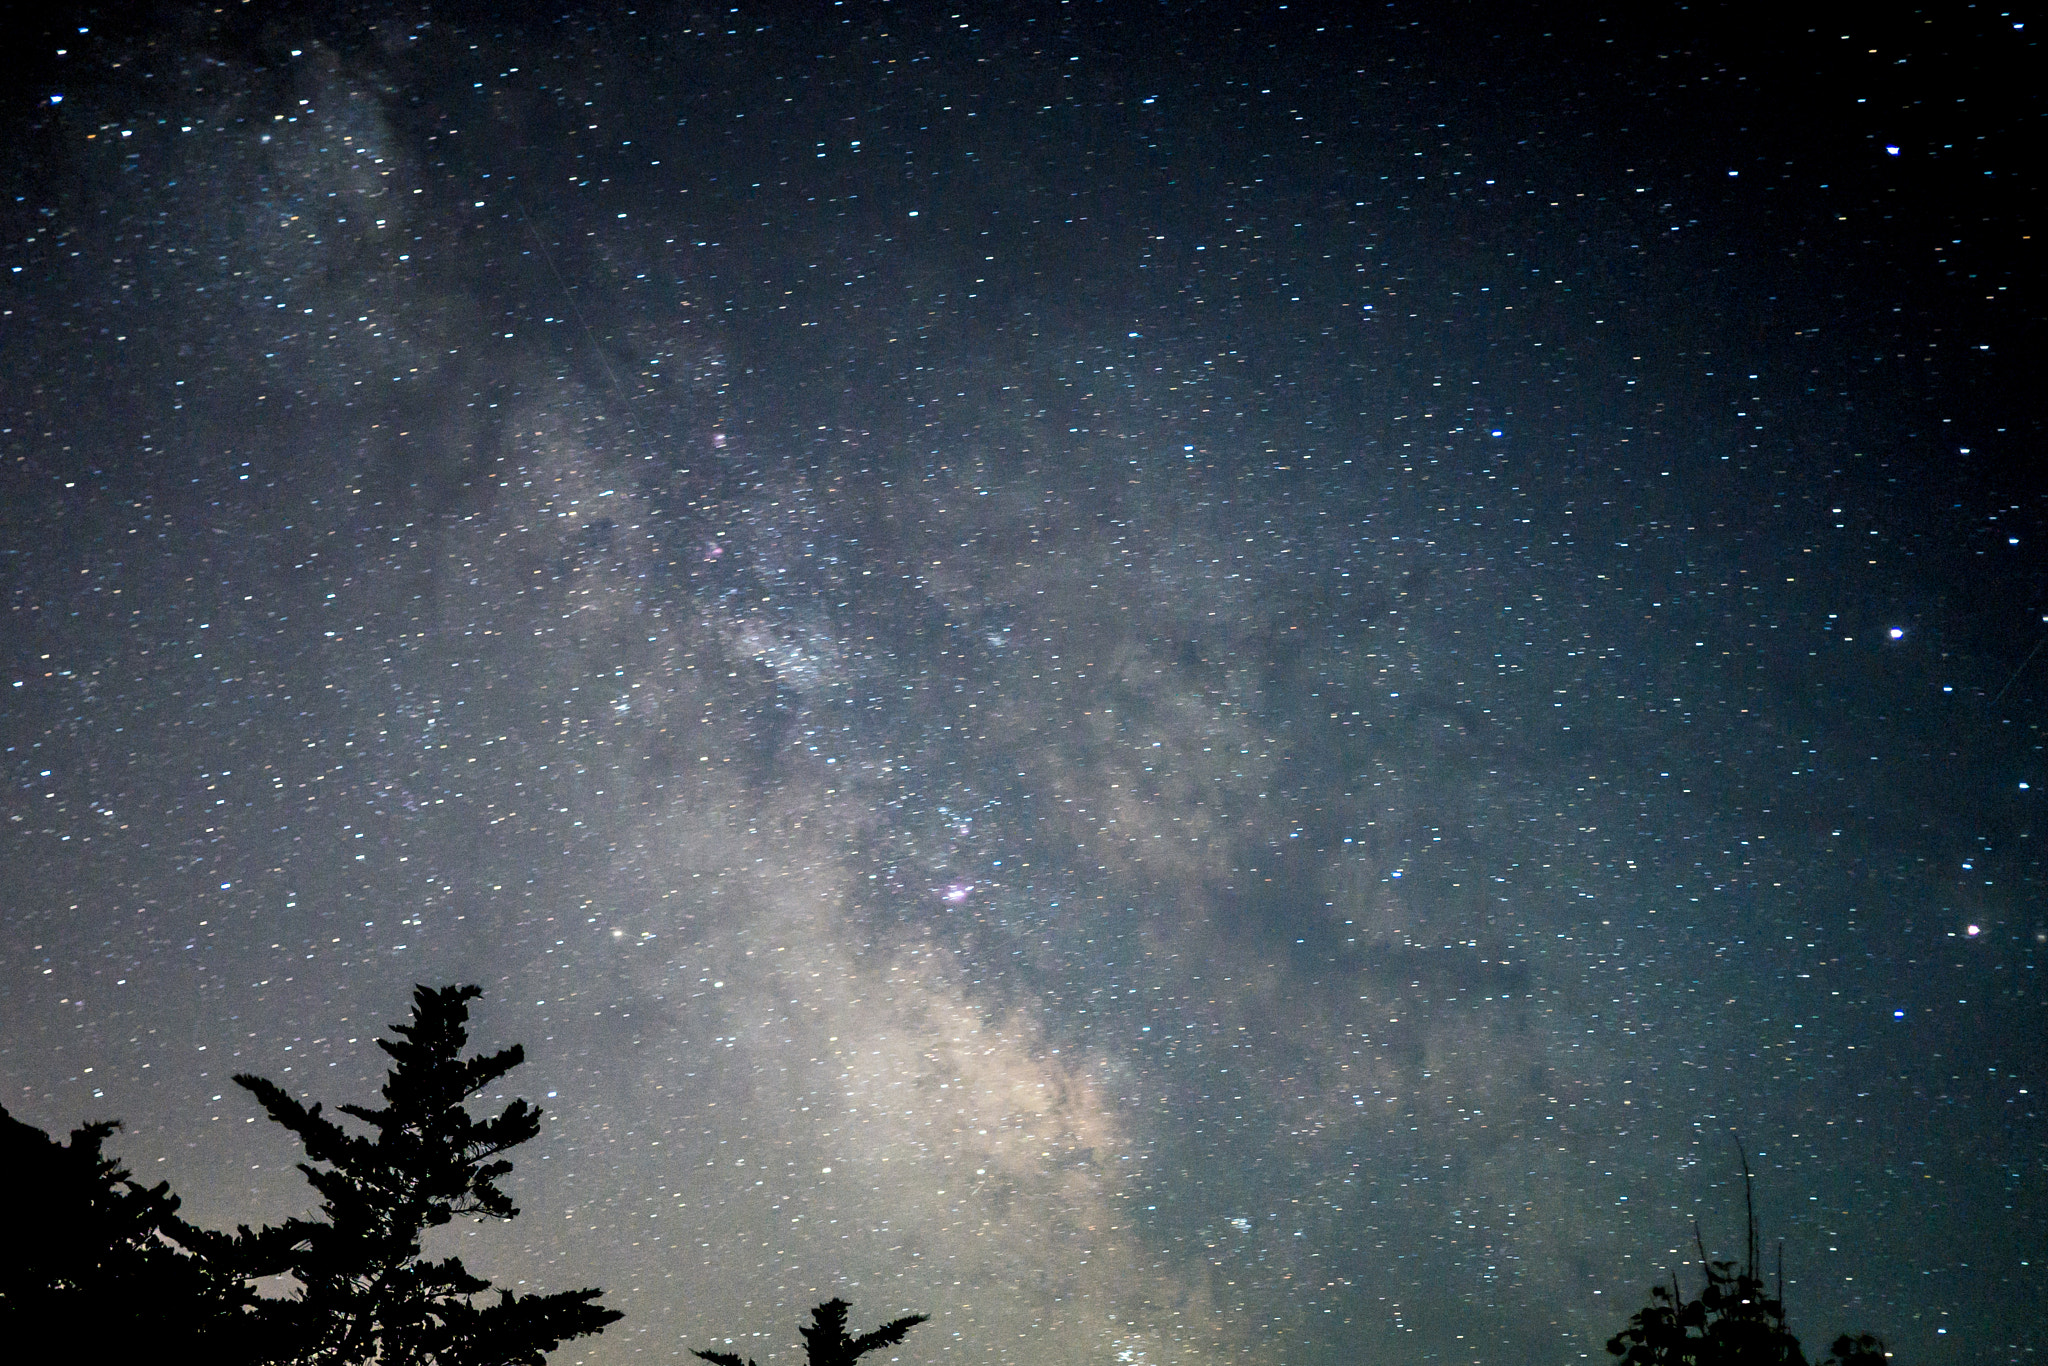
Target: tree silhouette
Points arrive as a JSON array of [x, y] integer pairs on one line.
[[365, 1290], [825, 1340], [86, 1245], [94, 1254], [1732, 1322]]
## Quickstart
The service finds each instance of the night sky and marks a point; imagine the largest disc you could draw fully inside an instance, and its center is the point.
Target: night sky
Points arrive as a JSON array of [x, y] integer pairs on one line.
[[1183, 684]]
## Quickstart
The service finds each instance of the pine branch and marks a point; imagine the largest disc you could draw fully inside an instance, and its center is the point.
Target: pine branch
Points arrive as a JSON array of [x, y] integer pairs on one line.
[[723, 1358]]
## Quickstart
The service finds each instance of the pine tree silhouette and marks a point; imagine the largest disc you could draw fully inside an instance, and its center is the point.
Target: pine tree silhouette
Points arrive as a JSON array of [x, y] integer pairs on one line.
[[86, 1245], [366, 1292], [87, 1252], [825, 1340]]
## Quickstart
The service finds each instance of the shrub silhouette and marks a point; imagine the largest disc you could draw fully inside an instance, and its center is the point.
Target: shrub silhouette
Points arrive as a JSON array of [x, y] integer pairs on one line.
[[1861, 1350], [825, 1340], [1732, 1321]]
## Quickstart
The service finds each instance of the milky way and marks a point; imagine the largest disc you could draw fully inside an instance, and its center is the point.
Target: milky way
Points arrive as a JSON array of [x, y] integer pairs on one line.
[[1186, 695]]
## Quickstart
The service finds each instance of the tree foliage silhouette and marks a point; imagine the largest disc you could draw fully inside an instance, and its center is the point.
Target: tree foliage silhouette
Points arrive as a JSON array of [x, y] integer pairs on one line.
[[107, 1253], [88, 1246], [1860, 1350], [366, 1292], [825, 1340], [1733, 1321]]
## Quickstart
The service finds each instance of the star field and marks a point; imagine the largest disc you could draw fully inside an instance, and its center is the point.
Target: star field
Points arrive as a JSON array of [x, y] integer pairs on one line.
[[1181, 688]]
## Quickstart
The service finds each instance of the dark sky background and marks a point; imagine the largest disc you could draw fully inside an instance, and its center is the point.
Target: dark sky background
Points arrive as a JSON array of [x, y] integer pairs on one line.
[[1180, 683]]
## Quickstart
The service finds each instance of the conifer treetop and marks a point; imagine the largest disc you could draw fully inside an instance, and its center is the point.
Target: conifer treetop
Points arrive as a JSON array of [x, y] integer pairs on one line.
[[825, 1339]]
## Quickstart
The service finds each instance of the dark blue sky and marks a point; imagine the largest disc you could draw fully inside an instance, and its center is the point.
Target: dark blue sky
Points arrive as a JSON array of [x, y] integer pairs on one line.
[[1177, 684]]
